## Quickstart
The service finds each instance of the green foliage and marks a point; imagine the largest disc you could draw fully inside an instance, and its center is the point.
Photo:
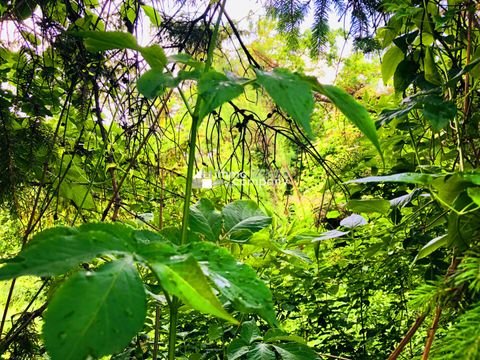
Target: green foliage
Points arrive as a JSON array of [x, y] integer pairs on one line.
[[291, 13], [237, 282], [242, 218], [87, 136], [354, 112], [154, 83], [274, 345], [205, 219], [391, 59], [73, 331], [216, 89], [184, 278], [91, 306], [291, 93], [463, 339], [102, 41]]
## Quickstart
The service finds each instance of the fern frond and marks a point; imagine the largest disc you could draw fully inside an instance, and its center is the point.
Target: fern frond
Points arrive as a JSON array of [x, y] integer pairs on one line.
[[426, 296], [290, 14], [469, 272], [462, 340], [320, 25]]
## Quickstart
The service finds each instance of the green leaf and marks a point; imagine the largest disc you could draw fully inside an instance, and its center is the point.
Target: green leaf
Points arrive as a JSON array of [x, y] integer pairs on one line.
[[95, 313], [431, 246], [23, 9], [216, 89], [410, 178], [182, 277], [107, 40], [205, 219], [154, 83], [369, 206], [58, 250], [468, 68], [186, 59], [215, 332], [261, 351], [430, 69], [152, 14], [154, 56], [153, 247], [291, 93], [475, 71], [392, 57], [236, 281], [405, 73], [250, 332], [237, 349], [276, 335], [474, 193], [295, 351], [352, 110], [76, 193], [242, 219], [438, 111], [386, 35], [450, 187]]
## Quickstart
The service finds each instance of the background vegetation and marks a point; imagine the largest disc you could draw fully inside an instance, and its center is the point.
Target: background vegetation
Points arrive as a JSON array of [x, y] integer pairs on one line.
[[172, 152]]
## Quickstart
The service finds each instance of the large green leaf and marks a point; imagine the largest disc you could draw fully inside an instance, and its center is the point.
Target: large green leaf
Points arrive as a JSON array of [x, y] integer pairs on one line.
[[154, 56], [410, 178], [237, 349], [183, 278], [431, 246], [249, 332], [186, 59], [58, 250], [236, 281], [152, 14], [108, 40], [291, 93], [295, 351], [205, 219], [438, 111], [474, 193], [392, 57], [95, 313], [242, 218], [430, 69], [77, 193], [154, 83], [261, 351], [275, 335], [216, 89], [352, 110], [369, 206], [405, 74]]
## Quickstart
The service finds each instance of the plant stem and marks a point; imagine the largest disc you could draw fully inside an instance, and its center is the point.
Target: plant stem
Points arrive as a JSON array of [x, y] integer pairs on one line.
[[431, 333], [172, 330], [172, 335], [398, 350]]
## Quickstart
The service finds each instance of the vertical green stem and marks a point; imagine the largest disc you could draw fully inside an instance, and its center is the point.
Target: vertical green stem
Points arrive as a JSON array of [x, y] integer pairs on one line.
[[172, 336]]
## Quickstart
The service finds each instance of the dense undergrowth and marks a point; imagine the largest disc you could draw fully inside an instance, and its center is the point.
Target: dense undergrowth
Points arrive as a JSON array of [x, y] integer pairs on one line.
[[204, 197]]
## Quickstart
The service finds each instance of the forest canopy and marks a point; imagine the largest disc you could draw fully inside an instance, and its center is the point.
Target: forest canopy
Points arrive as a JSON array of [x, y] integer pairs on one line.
[[175, 184]]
